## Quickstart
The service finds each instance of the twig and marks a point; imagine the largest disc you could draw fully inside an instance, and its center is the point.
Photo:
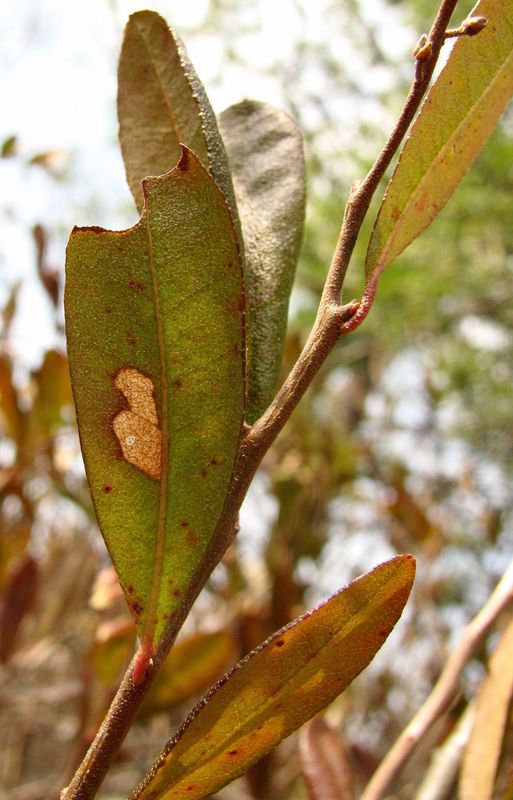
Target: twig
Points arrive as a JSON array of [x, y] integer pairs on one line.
[[445, 691], [440, 778], [331, 323]]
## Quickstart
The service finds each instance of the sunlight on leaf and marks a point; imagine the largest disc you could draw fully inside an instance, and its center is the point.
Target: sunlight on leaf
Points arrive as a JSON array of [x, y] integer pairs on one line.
[[461, 110], [280, 685], [154, 320], [161, 105]]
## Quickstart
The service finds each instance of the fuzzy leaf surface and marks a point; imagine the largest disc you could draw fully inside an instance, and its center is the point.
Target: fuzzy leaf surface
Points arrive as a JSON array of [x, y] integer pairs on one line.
[[483, 750], [265, 152], [154, 320], [161, 105], [460, 111], [280, 685]]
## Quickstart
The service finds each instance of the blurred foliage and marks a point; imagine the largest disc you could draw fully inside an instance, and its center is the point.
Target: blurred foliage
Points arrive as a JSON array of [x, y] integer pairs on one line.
[[403, 443]]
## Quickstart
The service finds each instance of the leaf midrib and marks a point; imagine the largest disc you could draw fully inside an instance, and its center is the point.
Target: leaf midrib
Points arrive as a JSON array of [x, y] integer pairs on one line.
[[151, 618], [160, 83], [267, 702]]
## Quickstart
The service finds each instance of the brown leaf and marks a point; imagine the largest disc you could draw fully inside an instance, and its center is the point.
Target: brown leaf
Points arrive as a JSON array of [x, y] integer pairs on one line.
[[324, 764]]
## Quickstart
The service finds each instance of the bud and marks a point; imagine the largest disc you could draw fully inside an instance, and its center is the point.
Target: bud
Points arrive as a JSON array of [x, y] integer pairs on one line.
[[474, 25], [423, 49]]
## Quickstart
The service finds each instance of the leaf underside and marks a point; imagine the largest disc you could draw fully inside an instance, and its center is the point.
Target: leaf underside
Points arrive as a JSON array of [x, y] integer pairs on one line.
[[162, 104], [265, 151], [154, 321], [275, 689], [460, 111]]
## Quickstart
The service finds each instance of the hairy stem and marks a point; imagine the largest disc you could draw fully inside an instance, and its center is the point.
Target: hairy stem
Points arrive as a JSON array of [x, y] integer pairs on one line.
[[333, 320]]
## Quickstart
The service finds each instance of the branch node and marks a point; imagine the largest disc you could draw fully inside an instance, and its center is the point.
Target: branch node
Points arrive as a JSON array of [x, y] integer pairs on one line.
[[469, 27], [423, 49]]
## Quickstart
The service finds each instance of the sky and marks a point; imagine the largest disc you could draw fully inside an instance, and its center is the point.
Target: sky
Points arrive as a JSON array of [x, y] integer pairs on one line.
[[58, 61]]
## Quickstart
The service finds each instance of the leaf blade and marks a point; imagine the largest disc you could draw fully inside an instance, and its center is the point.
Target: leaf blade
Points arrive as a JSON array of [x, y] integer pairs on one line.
[[459, 113], [265, 152], [240, 719], [162, 104], [139, 304]]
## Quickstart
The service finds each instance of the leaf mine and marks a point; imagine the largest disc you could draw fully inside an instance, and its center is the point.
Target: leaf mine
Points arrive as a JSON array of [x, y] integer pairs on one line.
[[136, 427]]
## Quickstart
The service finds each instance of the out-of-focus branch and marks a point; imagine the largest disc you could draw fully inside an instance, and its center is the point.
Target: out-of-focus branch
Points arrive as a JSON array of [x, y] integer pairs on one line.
[[445, 691]]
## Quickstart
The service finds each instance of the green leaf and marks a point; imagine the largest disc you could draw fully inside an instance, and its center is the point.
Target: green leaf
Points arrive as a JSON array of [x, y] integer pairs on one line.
[[280, 685], [161, 105], [154, 320], [461, 110], [265, 151]]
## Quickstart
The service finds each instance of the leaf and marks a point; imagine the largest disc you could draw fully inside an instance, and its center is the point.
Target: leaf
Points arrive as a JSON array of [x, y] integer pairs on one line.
[[265, 151], [52, 394], [17, 600], [11, 415], [461, 110], [280, 685], [161, 105], [326, 769], [154, 323], [492, 712], [190, 668]]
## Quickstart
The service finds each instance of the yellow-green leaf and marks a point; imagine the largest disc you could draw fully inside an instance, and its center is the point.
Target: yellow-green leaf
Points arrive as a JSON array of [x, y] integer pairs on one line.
[[483, 750], [265, 151], [161, 105], [191, 667], [154, 321], [460, 111], [280, 685]]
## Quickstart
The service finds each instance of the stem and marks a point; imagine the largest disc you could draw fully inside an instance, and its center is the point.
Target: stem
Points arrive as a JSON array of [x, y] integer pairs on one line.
[[333, 320], [445, 690]]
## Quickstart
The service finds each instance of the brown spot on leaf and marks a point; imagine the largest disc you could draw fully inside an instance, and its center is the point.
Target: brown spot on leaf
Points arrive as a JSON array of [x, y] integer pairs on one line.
[[233, 752], [136, 427], [107, 489], [137, 607], [137, 285], [177, 383], [130, 589], [280, 643], [184, 524], [192, 538], [177, 593], [108, 310], [204, 472], [214, 462]]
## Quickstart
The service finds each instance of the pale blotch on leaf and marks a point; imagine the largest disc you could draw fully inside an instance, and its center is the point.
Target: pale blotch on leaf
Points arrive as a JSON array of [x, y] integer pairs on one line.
[[137, 427]]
